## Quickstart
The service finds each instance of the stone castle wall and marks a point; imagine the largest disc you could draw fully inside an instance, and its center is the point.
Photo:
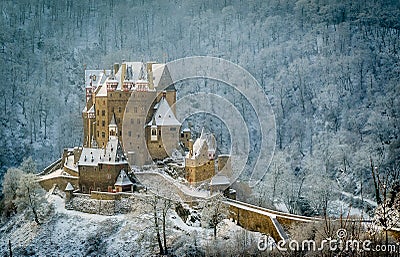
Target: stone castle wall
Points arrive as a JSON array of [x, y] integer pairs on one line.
[[61, 181], [104, 203]]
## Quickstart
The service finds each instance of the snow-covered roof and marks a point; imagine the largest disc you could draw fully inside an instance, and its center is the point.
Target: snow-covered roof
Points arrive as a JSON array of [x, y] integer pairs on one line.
[[164, 115], [112, 154], [112, 122], [95, 78], [219, 180], [161, 76], [69, 187], [123, 179], [207, 141], [186, 130], [91, 110]]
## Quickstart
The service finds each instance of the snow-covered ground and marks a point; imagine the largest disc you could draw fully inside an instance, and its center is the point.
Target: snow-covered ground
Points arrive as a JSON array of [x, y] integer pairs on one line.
[[73, 233]]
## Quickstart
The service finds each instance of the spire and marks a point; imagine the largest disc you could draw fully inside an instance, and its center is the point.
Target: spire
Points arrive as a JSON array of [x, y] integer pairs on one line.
[[94, 143], [112, 122]]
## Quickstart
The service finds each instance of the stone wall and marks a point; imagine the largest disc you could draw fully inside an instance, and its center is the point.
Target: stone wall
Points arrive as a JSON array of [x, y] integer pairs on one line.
[[199, 173], [60, 181], [108, 205], [99, 178], [254, 221]]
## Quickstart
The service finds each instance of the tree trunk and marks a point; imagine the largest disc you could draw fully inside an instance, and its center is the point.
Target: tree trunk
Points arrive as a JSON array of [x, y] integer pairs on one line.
[[157, 228], [377, 195], [164, 235], [9, 248]]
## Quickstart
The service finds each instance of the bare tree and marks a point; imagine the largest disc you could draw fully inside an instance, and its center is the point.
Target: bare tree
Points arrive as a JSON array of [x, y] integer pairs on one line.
[[213, 213], [160, 207], [10, 186], [31, 198]]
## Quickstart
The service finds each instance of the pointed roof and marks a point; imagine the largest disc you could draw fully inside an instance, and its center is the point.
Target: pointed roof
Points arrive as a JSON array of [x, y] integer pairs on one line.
[[206, 142], [123, 179], [164, 115], [91, 110], [112, 122], [69, 187]]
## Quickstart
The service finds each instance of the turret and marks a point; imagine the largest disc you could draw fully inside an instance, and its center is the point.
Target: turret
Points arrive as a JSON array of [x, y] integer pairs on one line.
[[112, 128]]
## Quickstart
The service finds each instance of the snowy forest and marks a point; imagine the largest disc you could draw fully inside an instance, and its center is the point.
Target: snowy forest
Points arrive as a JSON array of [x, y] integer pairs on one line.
[[331, 70]]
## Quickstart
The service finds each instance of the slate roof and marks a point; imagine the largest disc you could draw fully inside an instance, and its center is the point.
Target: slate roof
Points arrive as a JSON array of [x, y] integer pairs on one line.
[[123, 179], [69, 187], [164, 116], [112, 154]]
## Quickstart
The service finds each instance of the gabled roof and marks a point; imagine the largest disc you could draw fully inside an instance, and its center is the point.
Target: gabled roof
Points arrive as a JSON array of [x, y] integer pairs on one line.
[[162, 78], [91, 110], [94, 78], [112, 154], [206, 141], [69, 187], [164, 115], [123, 179], [112, 122]]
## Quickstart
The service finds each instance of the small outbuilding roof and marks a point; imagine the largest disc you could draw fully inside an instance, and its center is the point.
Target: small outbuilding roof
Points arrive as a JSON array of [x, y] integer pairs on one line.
[[123, 179], [69, 187]]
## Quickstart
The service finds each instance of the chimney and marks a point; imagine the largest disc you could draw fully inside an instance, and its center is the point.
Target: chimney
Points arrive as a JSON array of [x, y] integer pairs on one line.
[[150, 74], [123, 72], [116, 68]]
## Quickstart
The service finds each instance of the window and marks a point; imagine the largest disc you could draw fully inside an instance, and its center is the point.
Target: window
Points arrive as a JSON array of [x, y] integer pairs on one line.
[[135, 109], [103, 123], [182, 135], [138, 121], [98, 112], [159, 132], [103, 135], [120, 133], [153, 132], [120, 95], [98, 133], [103, 113], [131, 121], [172, 129], [129, 133], [119, 109]]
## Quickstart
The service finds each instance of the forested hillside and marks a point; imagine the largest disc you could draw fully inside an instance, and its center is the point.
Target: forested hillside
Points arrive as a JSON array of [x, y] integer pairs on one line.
[[331, 70]]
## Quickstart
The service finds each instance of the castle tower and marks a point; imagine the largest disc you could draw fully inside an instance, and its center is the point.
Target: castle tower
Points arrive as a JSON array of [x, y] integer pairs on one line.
[[200, 161]]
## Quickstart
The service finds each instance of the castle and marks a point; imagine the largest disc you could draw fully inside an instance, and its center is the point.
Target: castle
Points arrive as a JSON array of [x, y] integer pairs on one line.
[[151, 128], [129, 119]]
